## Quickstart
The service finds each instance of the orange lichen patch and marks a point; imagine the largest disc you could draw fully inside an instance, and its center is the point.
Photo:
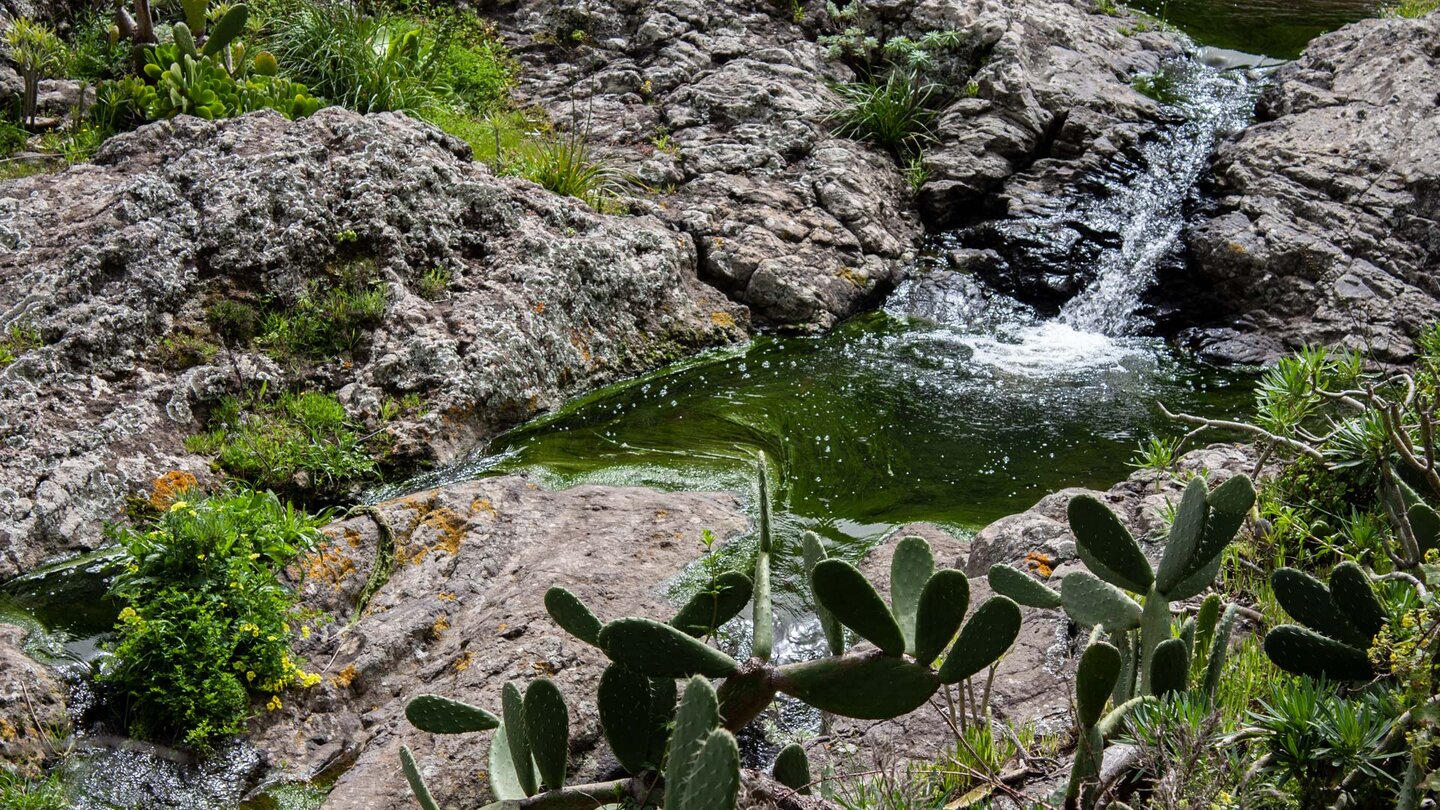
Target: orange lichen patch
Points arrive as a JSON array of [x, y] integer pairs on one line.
[[329, 564], [439, 626], [7, 730], [1039, 563], [353, 538], [448, 525], [166, 489], [661, 514], [463, 662], [447, 596], [540, 308], [544, 668], [854, 277], [1236, 247], [724, 319], [345, 677], [484, 505], [579, 343]]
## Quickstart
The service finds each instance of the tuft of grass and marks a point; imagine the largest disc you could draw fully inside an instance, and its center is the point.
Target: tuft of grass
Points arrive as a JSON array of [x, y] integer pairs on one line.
[[20, 793], [565, 164], [1412, 9], [332, 318], [434, 283], [302, 446], [16, 340], [897, 113]]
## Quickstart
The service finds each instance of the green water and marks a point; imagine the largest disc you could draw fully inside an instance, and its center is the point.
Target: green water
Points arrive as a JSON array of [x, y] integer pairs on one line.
[[885, 421], [1276, 28]]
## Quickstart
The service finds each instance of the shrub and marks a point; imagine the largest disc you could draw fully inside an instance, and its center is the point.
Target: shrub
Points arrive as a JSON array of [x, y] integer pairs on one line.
[[301, 445], [206, 623], [94, 57], [895, 114]]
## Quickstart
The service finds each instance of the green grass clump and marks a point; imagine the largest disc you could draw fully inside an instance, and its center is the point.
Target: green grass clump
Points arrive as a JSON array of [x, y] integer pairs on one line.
[[206, 626], [1412, 9], [897, 113], [301, 445], [15, 341], [331, 319], [20, 793], [565, 164]]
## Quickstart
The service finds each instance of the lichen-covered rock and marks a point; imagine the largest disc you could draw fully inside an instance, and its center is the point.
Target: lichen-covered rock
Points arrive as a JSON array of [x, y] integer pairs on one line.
[[462, 613], [723, 108], [115, 264], [1326, 226]]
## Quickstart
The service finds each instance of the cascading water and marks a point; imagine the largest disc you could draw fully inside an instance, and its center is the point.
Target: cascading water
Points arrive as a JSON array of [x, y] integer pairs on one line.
[[1147, 210]]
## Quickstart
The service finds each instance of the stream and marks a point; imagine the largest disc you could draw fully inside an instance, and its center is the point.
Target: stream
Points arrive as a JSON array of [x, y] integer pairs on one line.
[[952, 404]]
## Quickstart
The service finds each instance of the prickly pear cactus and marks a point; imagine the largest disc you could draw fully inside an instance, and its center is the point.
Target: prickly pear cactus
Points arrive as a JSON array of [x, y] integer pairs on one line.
[[792, 769], [1340, 622], [1010, 581], [661, 651], [442, 715]]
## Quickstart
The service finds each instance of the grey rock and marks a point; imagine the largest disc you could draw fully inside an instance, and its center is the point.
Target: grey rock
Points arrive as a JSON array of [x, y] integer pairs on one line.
[[463, 613], [34, 721], [112, 259], [1326, 224]]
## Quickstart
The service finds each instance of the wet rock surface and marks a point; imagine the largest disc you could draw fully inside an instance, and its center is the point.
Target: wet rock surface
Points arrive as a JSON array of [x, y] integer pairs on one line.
[[33, 719], [115, 265], [1326, 221]]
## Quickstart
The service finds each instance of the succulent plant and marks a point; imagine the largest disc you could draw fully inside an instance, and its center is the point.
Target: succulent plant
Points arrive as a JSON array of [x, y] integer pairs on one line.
[[1205, 523], [1095, 679], [792, 769], [1340, 622], [693, 744]]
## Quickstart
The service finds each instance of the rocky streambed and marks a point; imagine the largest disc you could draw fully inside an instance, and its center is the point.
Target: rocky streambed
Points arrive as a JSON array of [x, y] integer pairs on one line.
[[964, 398]]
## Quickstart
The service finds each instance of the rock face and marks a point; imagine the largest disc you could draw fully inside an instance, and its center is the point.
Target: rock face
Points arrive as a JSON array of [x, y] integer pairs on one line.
[[463, 612], [724, 105], [1326, 226], [116, 266], [731, 105]]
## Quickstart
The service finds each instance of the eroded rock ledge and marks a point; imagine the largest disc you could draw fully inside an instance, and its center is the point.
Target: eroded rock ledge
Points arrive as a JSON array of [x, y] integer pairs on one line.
[[1327, 224], [115, 261]]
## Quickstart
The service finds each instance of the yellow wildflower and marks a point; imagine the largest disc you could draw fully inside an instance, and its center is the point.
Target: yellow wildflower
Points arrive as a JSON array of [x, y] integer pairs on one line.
[[274, 704]]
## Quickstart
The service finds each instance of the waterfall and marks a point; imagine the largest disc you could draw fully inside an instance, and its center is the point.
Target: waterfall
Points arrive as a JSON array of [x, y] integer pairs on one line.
[[1147, 210]]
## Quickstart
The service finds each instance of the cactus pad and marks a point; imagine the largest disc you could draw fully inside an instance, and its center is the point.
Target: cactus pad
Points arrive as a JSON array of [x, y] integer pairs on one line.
[[814, 552], [1091, 602], [1169, 667], [417, 782], [1181, 545], [1352, 593], [547, 729], [698, 715], [792, 769], [184, 40], [943, 603], [1205, 620], [1010, 581], [517, 743], [1425, 524], [195, 14], [851, 598], [1304, 652], [1219, 650], [762, 619], [230, 26], [661, 651], [865, 686], [441, 715], [986, 637], [504, 777], [624, 704], [1106, 546], [265, 64], [572, 615], [1309, 602], [910, 570], [1095, 679], [709, 609], [712, 782]]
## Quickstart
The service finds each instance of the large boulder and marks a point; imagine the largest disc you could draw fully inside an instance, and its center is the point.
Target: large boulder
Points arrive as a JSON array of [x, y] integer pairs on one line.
[[34, 718], [1326, 222], [114, 265]]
